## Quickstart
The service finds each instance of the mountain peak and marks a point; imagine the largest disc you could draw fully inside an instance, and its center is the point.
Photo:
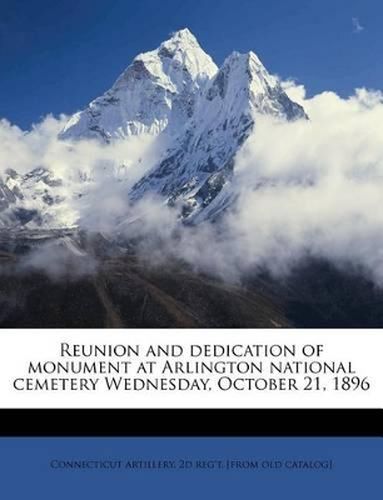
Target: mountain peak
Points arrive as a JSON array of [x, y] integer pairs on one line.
[[252, 57], [183, 36], [180, 42], [181, 50], [157, 91], [248, 62]]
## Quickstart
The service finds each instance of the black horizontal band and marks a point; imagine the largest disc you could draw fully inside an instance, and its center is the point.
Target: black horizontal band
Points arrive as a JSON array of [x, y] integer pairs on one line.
[[191, 422]]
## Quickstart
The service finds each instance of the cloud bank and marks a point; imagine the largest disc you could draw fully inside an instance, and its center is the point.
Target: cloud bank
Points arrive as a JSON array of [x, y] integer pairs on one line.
[[304, 189]]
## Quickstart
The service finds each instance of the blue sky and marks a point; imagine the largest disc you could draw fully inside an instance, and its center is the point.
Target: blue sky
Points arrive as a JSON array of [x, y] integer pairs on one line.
[[57, 56]]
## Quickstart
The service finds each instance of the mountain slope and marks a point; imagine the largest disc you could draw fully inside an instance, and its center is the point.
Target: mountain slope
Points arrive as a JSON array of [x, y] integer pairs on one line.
[[34, 199], [121, 291], [200, 165], [156, 92]]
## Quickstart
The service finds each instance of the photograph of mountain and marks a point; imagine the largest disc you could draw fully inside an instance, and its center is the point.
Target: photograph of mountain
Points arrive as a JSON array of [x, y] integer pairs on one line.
[[201, 191]]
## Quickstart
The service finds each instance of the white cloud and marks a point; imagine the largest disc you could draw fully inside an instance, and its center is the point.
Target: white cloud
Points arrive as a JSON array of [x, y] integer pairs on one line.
[[320, 195], [103, 171], [295, 91]]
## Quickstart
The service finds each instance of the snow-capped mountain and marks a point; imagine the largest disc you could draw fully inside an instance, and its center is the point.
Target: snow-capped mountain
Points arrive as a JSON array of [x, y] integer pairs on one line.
[[34, 200], [176, 92], [200, 164], [157, 92]]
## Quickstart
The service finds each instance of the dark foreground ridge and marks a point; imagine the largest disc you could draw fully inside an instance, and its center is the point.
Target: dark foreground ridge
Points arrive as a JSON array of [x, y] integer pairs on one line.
[[123, 291]]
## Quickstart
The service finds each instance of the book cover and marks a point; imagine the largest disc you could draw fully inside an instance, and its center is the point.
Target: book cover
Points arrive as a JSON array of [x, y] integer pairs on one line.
[[191, 292]]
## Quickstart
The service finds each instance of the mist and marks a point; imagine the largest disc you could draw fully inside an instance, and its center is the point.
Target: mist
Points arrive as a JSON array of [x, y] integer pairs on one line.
[[303, 189], [308, 189]]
